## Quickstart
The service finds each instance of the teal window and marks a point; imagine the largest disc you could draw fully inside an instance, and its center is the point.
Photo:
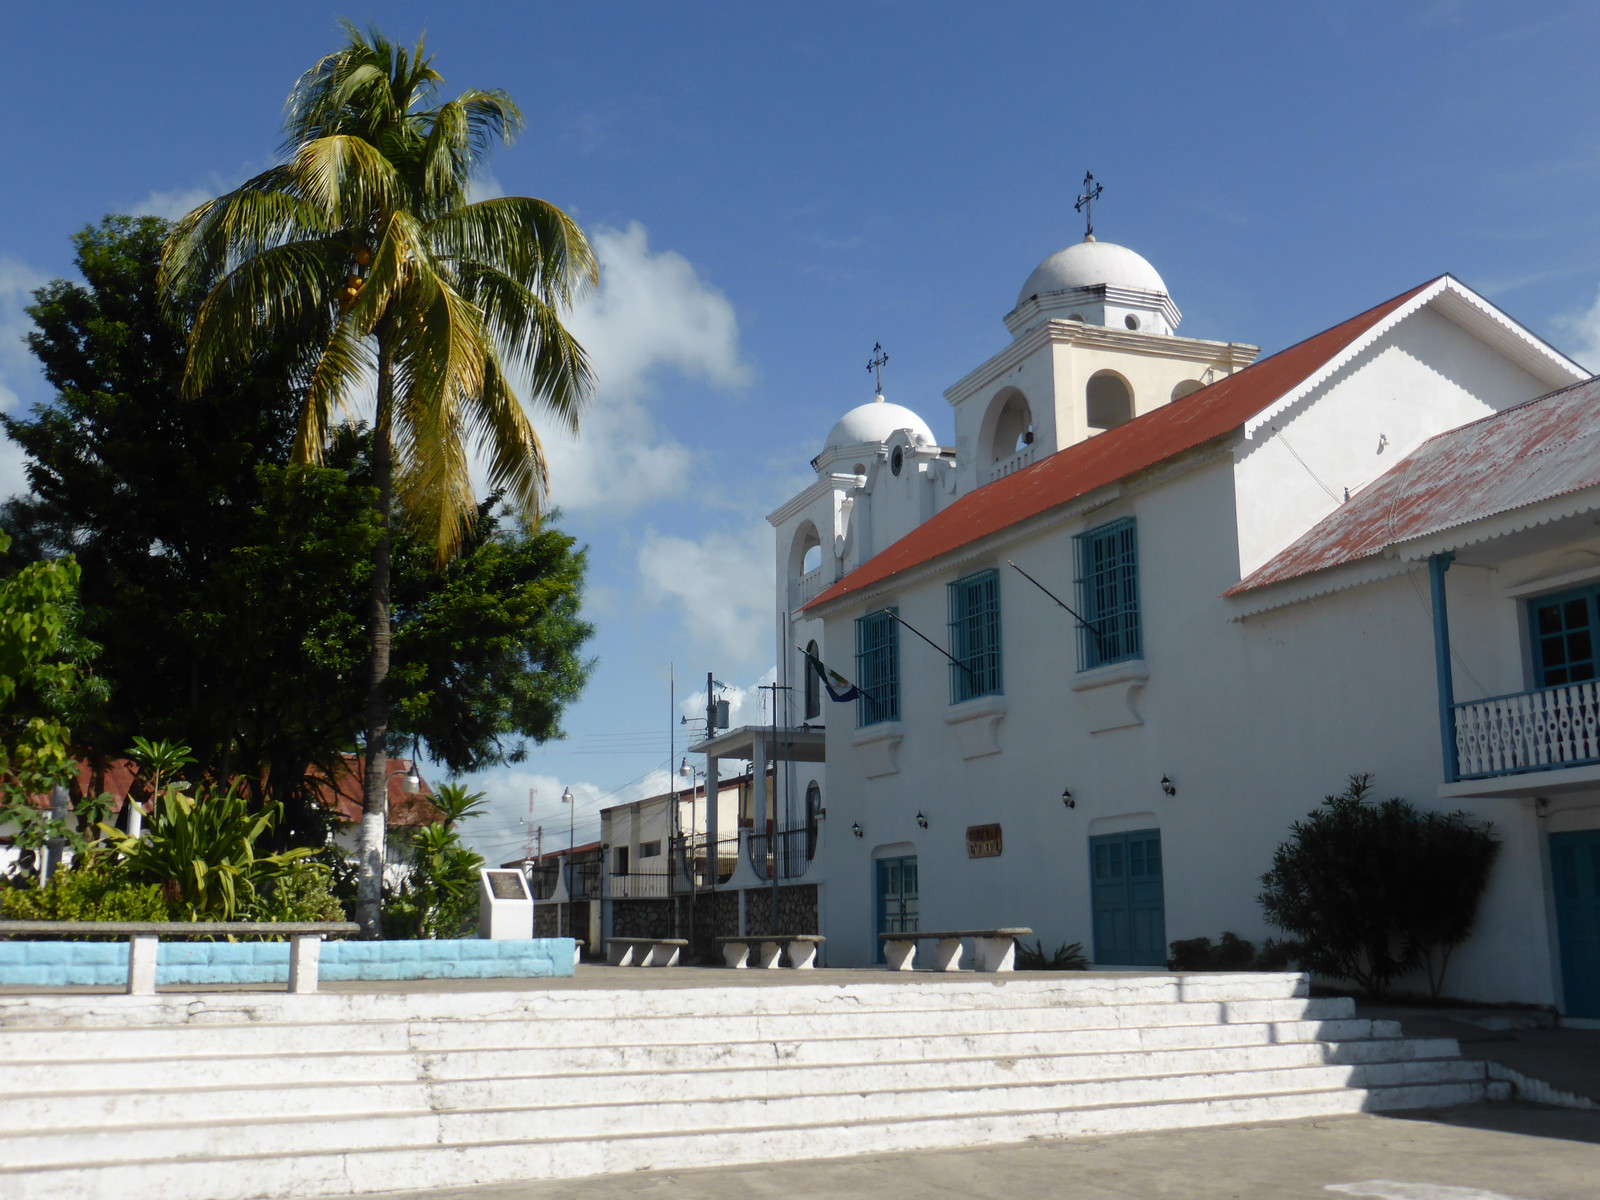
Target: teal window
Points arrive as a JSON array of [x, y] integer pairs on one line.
[[878, 667], [975, 636], [1107, 564], [1564, 630]]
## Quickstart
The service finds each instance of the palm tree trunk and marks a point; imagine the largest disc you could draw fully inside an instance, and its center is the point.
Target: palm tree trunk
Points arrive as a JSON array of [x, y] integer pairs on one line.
[[375, 793]]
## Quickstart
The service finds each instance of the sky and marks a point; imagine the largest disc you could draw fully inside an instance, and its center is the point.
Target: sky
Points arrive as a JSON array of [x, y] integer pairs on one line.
[[774, 189]]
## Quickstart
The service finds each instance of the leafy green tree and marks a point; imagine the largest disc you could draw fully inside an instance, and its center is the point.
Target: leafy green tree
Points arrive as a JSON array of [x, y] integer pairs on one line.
[[45, 684], [226, 584], [363, 246], [439, 896], [1370, 891]]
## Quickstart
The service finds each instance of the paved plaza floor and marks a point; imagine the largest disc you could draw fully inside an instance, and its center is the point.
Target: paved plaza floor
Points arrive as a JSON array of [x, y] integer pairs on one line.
[[1482, 1152]]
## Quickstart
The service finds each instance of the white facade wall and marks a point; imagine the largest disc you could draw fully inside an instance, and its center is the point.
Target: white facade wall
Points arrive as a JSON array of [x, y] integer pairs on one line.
[[1254, 721]]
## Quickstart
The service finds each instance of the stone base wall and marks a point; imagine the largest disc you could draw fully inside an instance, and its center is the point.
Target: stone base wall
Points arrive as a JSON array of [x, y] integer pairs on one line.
[[797, 909], [642, 918]]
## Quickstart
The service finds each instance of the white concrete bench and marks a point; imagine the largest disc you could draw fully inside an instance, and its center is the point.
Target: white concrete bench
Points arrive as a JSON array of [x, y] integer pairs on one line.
[[993, 949], [644, 951], [305, 942], [771, 949]]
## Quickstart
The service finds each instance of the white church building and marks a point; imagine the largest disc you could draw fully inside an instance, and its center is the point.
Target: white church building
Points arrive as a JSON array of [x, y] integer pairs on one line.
[[1160, 598]]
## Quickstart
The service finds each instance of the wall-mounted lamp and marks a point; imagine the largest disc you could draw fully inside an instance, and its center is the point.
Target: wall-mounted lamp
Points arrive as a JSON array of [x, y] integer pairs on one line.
[[856, 829], [1066, 798], [1168, 786], [922, 820]]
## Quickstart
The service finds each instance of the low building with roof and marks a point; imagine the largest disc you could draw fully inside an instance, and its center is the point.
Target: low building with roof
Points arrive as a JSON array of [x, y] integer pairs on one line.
[[1161, 597]]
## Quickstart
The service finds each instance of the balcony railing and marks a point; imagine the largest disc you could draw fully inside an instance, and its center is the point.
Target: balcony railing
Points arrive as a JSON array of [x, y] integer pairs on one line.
[[641, 885], [1009, 466], [808, 586], [1528, 731]]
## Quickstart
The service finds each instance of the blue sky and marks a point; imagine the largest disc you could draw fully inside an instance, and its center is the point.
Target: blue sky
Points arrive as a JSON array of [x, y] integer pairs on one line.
[[775, 188]]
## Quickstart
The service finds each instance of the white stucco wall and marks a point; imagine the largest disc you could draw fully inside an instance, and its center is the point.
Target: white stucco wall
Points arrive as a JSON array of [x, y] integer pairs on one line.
[[1254, 721], [1425, 376]]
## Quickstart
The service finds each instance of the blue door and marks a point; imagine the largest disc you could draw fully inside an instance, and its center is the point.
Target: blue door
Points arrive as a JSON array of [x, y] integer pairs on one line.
[[897, 897], [1130, 916], [1575, 878]]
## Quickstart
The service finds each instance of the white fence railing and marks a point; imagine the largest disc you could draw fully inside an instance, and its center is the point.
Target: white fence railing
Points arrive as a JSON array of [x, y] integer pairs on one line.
[[651, 886], [1010, 466], [807, 586], [1528, 731]]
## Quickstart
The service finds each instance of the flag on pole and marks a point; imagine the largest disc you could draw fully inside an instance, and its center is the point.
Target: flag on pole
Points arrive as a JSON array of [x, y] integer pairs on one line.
[[839, 688]]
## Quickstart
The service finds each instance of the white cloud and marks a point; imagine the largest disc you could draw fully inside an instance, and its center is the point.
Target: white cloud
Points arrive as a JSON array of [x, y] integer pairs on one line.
[[501, 832], [1584, 329], [723, 584], [652, 315], [174, 204]]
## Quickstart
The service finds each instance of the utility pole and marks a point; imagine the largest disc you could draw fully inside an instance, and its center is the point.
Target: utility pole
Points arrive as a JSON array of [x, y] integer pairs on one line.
[[713, 788], [772, 835]]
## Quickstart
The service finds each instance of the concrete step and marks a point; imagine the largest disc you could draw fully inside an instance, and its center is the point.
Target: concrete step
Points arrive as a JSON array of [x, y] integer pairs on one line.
[[304, 1174], [130, 1098], [963, 991], [220, 1038], [498, 1110]]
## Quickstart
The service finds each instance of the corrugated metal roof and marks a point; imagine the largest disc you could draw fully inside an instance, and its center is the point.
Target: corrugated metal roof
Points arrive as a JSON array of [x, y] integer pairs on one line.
[[1107, 457], [1508, 460]]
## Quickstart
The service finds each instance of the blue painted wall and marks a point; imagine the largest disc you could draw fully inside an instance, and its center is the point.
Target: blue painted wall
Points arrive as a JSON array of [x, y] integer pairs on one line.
[[105, 964]]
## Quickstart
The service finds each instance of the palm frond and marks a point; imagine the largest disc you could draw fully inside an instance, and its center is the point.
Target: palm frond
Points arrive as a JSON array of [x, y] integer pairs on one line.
[[345, 363], [530, 335], [530, 240], [509, 443], [346, 178], [279, 290]]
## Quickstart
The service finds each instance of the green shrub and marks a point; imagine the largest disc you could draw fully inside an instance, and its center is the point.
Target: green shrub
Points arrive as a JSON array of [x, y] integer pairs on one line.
[[1370, 891], [1066, 957], [304, 892], [85, 895], [202, 851], [1231, 953]]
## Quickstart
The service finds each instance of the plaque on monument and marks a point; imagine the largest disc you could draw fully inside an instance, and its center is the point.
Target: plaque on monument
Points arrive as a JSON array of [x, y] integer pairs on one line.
[[505, 905]]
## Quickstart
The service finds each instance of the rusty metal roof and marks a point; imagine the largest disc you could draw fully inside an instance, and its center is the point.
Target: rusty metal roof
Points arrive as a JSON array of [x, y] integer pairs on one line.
[[1534, 452], [1116, 454]]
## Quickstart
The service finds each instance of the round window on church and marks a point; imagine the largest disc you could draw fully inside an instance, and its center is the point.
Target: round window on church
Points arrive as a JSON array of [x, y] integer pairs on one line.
[[897, 459], [1131, 321]]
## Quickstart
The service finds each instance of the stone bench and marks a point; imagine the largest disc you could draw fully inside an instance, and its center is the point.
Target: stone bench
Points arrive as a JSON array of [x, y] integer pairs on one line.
[[305, 942], [644, 951], [994, 949], [771, 949]]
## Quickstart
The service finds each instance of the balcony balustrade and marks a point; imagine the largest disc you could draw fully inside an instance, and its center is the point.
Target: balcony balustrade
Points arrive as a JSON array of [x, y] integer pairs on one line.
[[1010, 466], [1528, 731]]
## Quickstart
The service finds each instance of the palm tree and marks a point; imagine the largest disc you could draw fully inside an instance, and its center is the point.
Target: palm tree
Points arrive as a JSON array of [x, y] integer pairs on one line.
[[362, 246]]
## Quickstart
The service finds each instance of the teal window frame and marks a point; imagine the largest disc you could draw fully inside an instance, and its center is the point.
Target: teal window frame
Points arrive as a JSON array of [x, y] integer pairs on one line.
[[878, 667], [1564, 636], [1106, 563], [975, 636]]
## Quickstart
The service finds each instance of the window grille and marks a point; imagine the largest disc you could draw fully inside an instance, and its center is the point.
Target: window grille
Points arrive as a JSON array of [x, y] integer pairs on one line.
[[975, 636], [1108, 594], [877, 668], [1564, 629]]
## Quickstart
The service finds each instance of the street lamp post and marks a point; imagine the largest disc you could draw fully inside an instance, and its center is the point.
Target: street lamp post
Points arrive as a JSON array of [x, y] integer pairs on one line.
[[572, 825]]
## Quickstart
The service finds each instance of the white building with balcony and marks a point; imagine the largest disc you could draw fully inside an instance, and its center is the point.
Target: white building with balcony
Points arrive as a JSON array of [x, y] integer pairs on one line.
[[1162, 598]]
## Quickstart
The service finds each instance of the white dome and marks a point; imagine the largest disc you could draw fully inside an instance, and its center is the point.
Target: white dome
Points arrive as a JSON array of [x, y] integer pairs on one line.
[[1091, 264], [876, 423]]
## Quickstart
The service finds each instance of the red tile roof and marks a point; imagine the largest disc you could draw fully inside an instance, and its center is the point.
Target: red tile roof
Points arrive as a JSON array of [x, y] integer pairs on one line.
[[1524, 455], [1105, 458], [342, 794]]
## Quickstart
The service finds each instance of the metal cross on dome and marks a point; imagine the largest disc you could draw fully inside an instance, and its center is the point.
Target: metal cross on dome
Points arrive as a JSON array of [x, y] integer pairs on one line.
[[1085, 204], [875, 365]]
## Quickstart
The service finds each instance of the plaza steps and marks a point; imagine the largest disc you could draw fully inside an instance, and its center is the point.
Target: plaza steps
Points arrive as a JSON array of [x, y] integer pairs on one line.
[[251, 1095]]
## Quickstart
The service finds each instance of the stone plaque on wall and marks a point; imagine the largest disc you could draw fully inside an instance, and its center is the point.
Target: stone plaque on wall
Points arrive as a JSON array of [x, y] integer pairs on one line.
[[983, 841]]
